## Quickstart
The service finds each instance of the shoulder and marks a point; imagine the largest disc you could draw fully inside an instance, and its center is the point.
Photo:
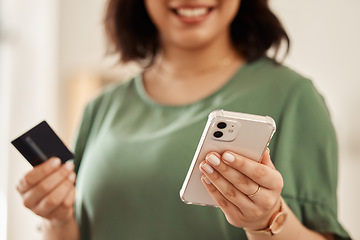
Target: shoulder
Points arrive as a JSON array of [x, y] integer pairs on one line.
[[278, 74], [272, 81], [291, 84], [302, 106], [275, 87], [96, 112], [289, 97], [113, 92]]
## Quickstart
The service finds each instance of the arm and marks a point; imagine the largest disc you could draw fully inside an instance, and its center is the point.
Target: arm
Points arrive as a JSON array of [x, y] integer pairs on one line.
[[48, 190], [68, 230], [232, 181], [292, 227]]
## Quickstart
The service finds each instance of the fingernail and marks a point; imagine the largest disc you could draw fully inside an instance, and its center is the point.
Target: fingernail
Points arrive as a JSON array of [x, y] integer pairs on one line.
[[69, 165], [228, 157], [55, 162], [207, 168], [206, 180], [214, 160], [72, 177]]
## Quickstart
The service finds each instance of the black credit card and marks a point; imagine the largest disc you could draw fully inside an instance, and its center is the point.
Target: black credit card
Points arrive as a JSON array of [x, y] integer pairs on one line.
[[41, 143]]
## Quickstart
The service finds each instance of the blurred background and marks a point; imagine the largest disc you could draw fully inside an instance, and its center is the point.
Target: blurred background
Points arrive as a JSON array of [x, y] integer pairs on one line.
[[52, 61]]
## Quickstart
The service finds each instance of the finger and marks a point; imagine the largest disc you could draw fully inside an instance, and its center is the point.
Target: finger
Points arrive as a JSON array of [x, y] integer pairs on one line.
[[70, 199], [228, 190], [259, 173], [37, 174], [266, 160], [62, 214], [65, 210], [234, 215], [242, 182], [35, 194], [221, 201], [54, 199]]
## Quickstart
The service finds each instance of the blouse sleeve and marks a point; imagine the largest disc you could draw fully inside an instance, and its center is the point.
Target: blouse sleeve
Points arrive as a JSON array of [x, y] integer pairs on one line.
[[304, 150]]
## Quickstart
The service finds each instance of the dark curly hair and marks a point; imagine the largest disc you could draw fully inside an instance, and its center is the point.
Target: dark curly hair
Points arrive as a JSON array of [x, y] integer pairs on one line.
[[131, 33]]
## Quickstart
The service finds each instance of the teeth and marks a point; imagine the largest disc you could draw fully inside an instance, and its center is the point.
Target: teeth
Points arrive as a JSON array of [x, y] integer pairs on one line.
[[192, 12]]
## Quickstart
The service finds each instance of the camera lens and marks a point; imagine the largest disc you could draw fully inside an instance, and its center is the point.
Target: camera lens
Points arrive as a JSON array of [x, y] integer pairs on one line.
[[218, 134], [221, 125]]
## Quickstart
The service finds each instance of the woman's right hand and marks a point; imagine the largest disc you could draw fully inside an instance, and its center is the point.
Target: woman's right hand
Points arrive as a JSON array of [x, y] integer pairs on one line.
[[49, 191]]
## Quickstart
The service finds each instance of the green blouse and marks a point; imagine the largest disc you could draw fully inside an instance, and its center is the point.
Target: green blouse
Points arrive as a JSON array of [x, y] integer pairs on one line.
[[132, 156]]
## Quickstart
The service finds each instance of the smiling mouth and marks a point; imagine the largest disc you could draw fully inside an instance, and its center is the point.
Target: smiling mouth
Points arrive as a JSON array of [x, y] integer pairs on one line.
[[192, 12]]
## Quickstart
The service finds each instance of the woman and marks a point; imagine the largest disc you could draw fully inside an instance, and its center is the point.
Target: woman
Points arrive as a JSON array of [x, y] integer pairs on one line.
[[137, 139]]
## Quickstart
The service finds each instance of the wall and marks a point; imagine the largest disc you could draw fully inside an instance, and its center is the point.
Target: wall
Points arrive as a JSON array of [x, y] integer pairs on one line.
[[82, 52], [28, 95]]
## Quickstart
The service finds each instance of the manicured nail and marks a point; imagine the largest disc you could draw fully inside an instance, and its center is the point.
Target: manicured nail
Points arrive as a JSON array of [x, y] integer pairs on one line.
[[69, 165], [55, 162], [228, 157], [72, 177], [213, 159], [207, 168], [206, 180]]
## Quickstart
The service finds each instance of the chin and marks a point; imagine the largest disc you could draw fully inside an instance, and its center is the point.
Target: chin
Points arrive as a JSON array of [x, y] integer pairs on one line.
[[193, 40], [191, 45]]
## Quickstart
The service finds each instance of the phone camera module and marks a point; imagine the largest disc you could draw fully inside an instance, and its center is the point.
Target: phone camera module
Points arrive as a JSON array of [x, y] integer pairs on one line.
[[221, 125], [218, 134]]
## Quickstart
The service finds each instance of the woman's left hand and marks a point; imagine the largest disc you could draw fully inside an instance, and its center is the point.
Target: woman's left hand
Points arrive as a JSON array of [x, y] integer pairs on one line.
[[248, 192]]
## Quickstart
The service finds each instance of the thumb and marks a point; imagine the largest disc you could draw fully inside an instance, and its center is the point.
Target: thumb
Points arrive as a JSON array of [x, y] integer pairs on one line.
[[266, 160]]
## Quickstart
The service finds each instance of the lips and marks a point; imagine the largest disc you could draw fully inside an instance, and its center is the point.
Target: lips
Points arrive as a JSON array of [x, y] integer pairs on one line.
[[191, 13]]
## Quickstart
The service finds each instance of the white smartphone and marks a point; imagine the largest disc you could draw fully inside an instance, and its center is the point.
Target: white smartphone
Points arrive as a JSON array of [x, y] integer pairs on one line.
[[242, 133]]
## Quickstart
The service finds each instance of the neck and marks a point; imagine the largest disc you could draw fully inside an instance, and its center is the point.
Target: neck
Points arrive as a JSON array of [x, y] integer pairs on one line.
[[182, 76], [176, 59]]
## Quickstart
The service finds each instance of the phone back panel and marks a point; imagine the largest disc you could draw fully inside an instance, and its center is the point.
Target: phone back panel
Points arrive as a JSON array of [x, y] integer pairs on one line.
[[245, 134]]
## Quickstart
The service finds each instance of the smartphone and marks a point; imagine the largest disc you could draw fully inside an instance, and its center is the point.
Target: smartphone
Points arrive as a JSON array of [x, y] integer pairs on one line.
[[245, 134]]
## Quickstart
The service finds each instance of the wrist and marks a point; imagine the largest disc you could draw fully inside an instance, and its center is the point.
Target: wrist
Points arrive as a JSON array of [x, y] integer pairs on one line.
[[58, 223], [61, 229], [275, 222]]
